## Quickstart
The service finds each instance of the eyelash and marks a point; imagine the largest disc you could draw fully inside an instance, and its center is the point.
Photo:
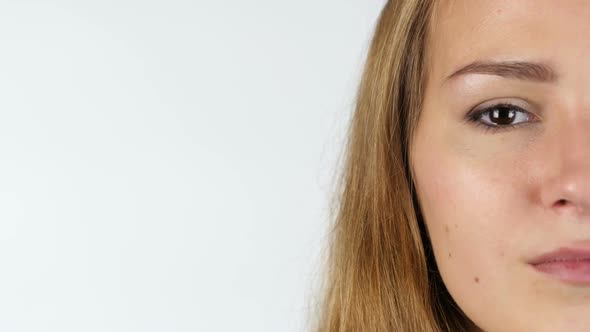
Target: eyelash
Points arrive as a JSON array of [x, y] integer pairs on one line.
[[475, 118]]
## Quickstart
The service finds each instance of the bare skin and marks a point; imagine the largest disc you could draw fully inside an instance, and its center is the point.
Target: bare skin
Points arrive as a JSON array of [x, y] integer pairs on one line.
[[494, 199]]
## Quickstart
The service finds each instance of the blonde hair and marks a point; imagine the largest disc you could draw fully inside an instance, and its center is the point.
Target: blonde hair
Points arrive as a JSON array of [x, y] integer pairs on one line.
[[381, 273]]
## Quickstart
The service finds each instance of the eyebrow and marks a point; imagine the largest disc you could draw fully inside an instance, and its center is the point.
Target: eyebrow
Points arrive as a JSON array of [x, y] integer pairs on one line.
[[529, 71]]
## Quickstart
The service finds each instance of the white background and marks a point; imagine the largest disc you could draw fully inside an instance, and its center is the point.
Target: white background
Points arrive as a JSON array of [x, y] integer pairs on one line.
[[167, 165]]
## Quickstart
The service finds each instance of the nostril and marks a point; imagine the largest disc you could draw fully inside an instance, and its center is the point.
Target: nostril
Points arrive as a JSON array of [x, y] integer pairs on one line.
[[561, 202]]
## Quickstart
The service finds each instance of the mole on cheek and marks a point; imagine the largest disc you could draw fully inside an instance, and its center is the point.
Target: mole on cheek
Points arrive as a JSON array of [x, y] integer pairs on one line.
[[450, 254], [476, 280], [447, 230]]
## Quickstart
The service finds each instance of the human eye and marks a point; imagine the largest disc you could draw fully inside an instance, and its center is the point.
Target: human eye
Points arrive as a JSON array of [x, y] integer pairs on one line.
[[499, 117]]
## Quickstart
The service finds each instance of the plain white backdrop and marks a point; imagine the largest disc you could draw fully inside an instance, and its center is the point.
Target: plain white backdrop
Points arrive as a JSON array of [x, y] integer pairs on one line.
[[167, 165]]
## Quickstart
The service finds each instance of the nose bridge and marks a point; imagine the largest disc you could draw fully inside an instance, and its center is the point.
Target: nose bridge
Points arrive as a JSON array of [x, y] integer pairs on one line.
[[573, 139], [568, 188]]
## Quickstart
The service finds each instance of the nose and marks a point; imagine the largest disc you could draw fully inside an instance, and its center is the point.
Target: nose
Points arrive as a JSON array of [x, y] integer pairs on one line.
[[567, 189]]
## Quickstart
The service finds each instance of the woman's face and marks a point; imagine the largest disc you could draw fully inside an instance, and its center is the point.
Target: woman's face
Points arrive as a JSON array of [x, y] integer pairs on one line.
[[496, 198]]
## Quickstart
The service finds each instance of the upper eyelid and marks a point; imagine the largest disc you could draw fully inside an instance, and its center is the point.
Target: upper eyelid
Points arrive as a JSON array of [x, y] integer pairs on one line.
[[508, 105], [523, 104], [496, 102]]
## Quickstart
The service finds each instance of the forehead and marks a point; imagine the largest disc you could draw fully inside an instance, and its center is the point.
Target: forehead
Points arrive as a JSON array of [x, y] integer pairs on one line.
[[463, 31]]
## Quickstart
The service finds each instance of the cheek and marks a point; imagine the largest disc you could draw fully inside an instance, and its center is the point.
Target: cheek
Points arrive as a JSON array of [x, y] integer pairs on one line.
[[472, 203], [464, 208]]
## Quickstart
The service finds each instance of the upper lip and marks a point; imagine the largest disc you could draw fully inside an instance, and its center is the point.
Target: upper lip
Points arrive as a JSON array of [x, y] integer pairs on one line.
[[562, 254]]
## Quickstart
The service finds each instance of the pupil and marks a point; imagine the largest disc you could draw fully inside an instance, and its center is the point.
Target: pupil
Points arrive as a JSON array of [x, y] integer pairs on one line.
[[502, 115]]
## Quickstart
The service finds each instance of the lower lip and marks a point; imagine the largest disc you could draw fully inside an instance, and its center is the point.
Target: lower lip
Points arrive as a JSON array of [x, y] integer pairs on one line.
[[576, 272]]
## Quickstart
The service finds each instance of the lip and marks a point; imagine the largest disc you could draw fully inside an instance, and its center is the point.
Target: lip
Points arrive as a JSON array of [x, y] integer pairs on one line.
[[570, 265]]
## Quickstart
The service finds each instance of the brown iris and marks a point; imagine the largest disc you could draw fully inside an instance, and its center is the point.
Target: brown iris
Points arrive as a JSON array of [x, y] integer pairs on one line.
[[502, 115]]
